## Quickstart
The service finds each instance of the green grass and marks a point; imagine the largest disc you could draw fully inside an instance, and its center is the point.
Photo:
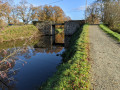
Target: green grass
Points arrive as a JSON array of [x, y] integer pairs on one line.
[[17, 32], [59, 30], [73, 73], [110, 32]]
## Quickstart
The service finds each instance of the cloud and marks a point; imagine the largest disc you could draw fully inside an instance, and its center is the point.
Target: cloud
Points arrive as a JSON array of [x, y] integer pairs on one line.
[[81, 8], [34, 5]]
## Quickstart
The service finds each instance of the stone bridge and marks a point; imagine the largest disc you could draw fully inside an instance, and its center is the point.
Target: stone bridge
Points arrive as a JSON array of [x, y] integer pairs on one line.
[[48, 28]]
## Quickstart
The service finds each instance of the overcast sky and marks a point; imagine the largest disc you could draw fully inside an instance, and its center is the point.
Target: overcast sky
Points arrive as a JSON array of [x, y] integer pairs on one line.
[[73, 8]]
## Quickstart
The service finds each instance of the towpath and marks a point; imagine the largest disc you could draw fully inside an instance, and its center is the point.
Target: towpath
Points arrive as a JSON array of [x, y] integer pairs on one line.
[[105, 60]]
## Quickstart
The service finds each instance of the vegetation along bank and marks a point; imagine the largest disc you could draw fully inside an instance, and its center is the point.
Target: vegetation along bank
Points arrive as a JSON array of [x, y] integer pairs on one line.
[[73, 73], [59, 30], [110, 32], [17, 32]]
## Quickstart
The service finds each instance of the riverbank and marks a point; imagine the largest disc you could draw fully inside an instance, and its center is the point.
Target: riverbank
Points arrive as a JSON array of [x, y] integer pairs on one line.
[[73, 73], [18, 32], [110, 32]]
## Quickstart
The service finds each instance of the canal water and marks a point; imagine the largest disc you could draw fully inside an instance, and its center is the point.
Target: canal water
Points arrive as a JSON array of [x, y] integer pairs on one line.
[[26, 64]]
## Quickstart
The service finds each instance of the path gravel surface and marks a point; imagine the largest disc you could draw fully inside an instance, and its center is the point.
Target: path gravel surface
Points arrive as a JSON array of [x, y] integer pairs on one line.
[[105, 60]]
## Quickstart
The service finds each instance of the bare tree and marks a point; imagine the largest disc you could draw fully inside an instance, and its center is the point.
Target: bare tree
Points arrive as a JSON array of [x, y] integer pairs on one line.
[[22, 10], [27, 12], [108, 11], [14, 15], [92, 13]]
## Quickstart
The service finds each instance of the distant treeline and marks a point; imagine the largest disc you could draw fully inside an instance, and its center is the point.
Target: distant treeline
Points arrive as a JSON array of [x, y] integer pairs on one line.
[[106, 11], [25, 12]]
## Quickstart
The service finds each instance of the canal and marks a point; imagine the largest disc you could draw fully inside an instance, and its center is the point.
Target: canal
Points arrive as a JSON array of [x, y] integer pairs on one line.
[[26, 64]]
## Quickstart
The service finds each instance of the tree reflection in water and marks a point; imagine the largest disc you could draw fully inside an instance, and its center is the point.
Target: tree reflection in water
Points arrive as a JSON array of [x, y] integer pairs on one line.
[[59, 38], [10, 51]]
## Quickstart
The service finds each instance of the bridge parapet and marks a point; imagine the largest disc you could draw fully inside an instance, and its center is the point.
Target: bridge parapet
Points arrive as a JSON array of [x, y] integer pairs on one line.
[[45, 27], [48, 28], [71, 26]]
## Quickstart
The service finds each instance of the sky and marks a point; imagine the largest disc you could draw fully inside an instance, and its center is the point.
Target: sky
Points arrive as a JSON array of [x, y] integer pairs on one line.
[[73, 8]]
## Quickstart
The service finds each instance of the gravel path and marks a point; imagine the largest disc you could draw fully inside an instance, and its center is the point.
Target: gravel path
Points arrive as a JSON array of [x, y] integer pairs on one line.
[[105, 60]]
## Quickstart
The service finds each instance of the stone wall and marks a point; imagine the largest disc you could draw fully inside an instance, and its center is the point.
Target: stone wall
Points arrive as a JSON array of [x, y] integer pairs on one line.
[[45, 27], [70, 27]]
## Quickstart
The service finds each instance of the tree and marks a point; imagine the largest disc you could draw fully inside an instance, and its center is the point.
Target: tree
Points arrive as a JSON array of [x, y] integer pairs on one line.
[[108, 12], [22, 10], [49, 13], [14, 15], [93, 14], [7, 11], [58, 14], [34, 11], [31, 14], [27, 12]]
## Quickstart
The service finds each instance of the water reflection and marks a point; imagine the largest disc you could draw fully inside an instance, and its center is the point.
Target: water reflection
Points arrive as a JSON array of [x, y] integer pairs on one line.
[[37, 55], [59, 38]]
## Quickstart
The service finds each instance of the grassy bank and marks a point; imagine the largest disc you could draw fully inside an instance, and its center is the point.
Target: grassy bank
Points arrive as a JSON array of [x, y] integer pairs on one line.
[[17, 32], [59, 30], [73, 74], [110, 32]]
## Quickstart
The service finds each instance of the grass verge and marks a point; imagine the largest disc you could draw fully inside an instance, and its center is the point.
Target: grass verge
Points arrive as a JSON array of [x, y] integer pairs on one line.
[[110, 32], [59, 30], [73, 74], [17, 32]]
